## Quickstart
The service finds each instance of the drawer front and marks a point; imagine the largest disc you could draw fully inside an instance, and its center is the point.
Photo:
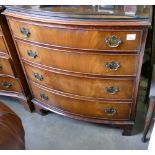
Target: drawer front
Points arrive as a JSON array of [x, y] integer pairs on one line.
[[86, 63], [5, 66], [2, 45], [10, 84], [1, 31], [94, 109], [89, 87], [78, 38]]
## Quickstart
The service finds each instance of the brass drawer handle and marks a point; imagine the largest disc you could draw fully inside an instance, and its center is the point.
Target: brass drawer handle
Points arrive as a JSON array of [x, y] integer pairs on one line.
[[112, 90], [44, 97], [6, 84], [113, 65], [1, 68], [32, 54], [113, 41], [38, 76], [25, 32], [110, 111]]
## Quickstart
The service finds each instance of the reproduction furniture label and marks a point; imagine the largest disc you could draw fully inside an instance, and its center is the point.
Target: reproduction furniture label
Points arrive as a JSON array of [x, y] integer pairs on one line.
[[131, 37]]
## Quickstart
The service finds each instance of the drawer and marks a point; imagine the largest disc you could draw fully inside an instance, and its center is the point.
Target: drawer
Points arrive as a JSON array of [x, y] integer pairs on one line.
[[86, 63], [5, 66], [94, 109], [1, 31], [82, 86], [78, 38], [10, 84], [2, 45]]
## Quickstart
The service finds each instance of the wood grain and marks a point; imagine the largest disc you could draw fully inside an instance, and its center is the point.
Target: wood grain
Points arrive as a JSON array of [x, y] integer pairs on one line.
[[71, 56], [89, 87], [31, 15], [5, 66], [76, 38], [11, 67], [80, 62], [11, 130], [15, 86], [82, 108], [2, 45]]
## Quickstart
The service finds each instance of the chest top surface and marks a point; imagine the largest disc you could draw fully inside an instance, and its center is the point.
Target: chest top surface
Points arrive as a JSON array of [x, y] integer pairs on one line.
[[84, 15]]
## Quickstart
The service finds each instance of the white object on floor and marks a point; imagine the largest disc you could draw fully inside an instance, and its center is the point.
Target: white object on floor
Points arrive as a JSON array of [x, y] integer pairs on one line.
[[151, 145]]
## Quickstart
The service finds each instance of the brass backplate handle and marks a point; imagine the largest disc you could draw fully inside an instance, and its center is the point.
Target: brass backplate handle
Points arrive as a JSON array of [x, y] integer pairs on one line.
[[113, 65], [25, 32], [32, 54], [112, 90], [38, 76], [113, 41], [44, 97], [110, 111], [6, 84]]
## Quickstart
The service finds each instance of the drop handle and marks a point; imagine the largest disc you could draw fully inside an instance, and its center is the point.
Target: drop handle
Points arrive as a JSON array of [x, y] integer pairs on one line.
[[32, 54], [38, 76], [113, 65], [6, 84], [44, 97], [110, 111], [112, 90], [113, 41], [25, 32]]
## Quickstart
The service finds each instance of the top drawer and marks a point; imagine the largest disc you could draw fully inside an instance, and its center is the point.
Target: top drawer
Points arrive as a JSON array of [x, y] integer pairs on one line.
[[79, 38]]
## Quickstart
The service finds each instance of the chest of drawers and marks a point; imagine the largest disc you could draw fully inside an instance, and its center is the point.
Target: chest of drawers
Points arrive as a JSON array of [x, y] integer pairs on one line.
[[12, 80], [87, 69]]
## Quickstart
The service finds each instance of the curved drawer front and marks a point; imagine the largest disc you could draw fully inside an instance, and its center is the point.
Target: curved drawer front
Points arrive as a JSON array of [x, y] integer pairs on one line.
[[107, 39], [2, 45], [89, 87], [86, 63], [102, 110], [10, 84], [0, 31], [5, 66]]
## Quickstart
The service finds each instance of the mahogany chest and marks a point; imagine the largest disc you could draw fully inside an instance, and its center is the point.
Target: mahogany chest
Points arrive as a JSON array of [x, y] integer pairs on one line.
[[83, 62], [12, 79]]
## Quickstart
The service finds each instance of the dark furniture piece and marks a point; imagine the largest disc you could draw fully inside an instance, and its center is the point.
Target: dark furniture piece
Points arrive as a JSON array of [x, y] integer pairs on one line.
[[150, 94], [151, 106], [12, 135], [12, 80], [83, 62]]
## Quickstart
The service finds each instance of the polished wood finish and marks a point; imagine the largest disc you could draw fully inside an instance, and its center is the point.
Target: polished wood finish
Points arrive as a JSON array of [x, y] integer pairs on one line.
[[70, 63], [71, 38], [12, 79], [37, 17], [0, 31], [5, 66], [72, 84], [11, 130], [2, 44], [91, 109], [10, 84], [76, 61]]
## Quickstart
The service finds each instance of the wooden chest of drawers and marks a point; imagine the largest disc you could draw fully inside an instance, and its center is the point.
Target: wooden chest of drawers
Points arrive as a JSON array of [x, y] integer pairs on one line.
[[84, 69], [12, 79]]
